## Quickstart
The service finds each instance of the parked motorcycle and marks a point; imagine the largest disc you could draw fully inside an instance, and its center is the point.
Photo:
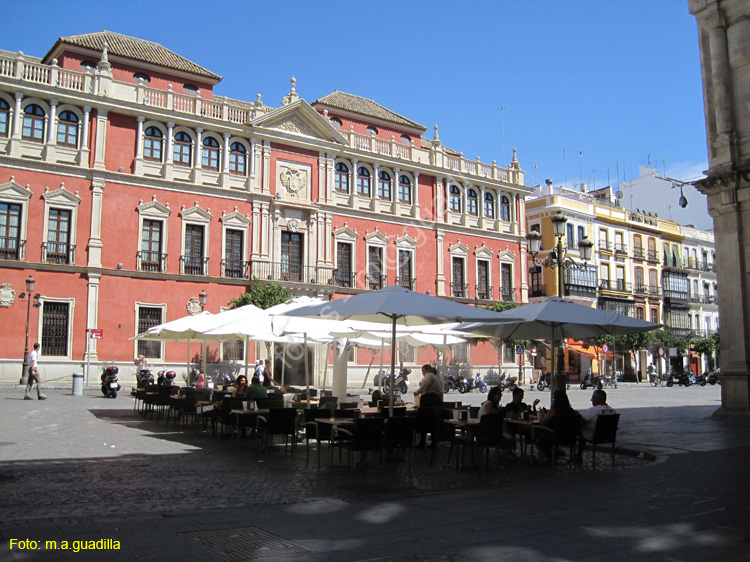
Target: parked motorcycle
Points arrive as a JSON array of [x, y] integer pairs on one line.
[[590, 380], [451, 383], [609, 381], [680, 379], [110, 384], [143, 378], [713, 376], [508, 383], [468, 384], [701, 379]]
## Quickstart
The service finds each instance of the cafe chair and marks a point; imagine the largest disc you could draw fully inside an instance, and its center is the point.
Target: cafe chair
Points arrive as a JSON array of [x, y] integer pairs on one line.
[[489, 436], [605, 432], [280, 421], [328, 402], [317, 431], [366, 436], [445, 433], [400, 433], [565, 434]]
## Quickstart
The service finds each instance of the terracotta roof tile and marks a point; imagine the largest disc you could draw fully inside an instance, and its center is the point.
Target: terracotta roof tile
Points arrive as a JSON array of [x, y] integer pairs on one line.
[[137, 49], [364, 106]]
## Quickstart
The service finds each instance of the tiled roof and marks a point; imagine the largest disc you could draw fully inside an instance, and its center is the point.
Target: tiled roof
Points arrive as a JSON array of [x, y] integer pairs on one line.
[[137, 49], [364, 106]]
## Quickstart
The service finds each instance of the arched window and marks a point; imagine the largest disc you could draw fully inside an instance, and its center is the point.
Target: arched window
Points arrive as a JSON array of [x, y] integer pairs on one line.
[[454, 199], [504, 208], [404, 189], [384, 185], [363, 181], [67, 129], [4, 117], [210, 154], [141, 77], [489, 206], [152, 144], [341, 178], [33, 123], [237, 159], [472, 202], [183, 149]]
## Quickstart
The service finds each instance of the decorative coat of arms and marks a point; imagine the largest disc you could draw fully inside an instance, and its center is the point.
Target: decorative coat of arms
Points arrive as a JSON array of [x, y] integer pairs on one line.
[[292, 225], [293, 180], [7, 295], [193, 306]]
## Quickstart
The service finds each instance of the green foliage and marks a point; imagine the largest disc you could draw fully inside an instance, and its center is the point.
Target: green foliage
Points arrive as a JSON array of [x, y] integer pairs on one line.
[[262, 295], [704, 346], [663, 338]]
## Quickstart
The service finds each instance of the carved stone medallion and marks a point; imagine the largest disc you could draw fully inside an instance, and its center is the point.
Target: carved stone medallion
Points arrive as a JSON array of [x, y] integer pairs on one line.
[[7, 295], [292, 225], [293, 180], [193, 306]]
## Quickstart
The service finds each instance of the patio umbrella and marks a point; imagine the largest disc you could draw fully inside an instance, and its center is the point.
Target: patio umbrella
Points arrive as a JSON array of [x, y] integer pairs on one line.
[[397, 306], [555, 318]]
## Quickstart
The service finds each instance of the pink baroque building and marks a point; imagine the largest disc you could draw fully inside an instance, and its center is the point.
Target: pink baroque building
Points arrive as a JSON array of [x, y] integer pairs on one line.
[[128, 187]]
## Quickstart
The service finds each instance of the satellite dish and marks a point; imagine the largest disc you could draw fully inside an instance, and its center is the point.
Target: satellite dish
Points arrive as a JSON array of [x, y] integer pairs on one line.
[[618, 194]]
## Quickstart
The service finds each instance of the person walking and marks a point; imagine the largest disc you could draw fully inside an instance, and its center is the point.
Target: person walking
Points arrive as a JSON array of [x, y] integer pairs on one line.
[[34, 375]]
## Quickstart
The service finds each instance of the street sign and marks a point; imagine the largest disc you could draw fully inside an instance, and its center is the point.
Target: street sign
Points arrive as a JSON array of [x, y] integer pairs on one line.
[[661, 352], [96, 333], [533, 351], [605, 348], [520, 350], [673, 352]]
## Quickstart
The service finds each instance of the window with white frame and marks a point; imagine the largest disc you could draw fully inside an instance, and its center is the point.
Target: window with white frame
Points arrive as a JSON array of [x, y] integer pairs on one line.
[[237, 159], [210, 154], [489, 205], [4, 118], [33, 123], [56, 317], [384, 185], [14, 206], [153, 220], [149, 316], [234, 263], [472, 202], [59, 236], [405, 269], [183, 149], [375, 268], [341, 177], [454, 198], [363, 181], [504, 208], [153, 144], [404, 189], [67, 129]]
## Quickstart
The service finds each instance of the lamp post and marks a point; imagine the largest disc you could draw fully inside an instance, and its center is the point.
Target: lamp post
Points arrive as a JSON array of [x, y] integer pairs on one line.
[[202, 300], [30, 283], [558, 259]]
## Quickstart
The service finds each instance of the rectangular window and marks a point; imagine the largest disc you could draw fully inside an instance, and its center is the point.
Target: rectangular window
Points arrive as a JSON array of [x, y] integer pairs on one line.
[[291, 256], [604, 275], [10, 231], [460, 354], [151, 258], [343, 275], [233, 350], [193, 250], [148, 317], [620, 272], [570, 238], [581, 233], [233, 263], [603, 239], [506, 282], [458, 277], [375, 268], [55, 329], [404, 269], [640, 314], [483, 280], [655, 315], [58, 236], [535, 278]]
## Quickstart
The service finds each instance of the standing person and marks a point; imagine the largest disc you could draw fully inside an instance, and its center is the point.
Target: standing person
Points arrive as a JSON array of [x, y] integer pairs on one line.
[[34, 375], [430, 390], [259, 368], [268, 379]]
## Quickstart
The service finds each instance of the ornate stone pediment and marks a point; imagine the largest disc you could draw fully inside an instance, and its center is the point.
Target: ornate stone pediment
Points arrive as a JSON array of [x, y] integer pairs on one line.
[[377, 238], [299, 118], [483, 252], [345, 233], [235, 219], [406, 241], [61, 197], [458, 249], [154, 209], [506, 255], [195, 213], [14, 192]]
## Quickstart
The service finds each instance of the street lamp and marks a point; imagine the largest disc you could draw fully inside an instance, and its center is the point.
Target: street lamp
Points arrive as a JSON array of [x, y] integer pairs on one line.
[[202, 299], [558, 259], [30, 283]]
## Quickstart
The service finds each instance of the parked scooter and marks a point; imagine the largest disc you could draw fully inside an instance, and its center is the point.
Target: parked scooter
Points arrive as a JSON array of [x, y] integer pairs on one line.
[[166, 378], [713, 376], [680, 379], [590, 380], [451, 383], [468, 384], [143, 378], [508, 383], [110, 384], [544, 382], [701, 379], [400, 385]]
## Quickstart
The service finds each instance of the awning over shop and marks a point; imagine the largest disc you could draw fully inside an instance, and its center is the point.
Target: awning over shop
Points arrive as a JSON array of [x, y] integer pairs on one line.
[[591, 351]]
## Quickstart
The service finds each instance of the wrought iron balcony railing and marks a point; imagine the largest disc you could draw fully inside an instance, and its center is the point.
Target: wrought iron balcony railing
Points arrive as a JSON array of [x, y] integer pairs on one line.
[[12, 249], [193, 265], [59, 253], [235, 269], [151, 261], [484, 292], [460, 290]]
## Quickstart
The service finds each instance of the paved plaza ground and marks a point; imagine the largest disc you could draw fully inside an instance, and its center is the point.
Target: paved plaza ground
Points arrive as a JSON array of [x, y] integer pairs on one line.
[[92, 469]]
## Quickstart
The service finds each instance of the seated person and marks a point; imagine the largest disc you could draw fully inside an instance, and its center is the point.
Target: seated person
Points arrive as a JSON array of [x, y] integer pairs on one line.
[[559, 414], [240, 385], [518, 406], [255, 390], [376, 397], [588, 418], [492, 404]]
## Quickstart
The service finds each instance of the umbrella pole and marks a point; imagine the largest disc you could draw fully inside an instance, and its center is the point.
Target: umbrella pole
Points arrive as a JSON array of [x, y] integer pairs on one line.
[[188, 360], [283, 367], [393, 366], [380, 376], [307, 374], [553, 374], [247, 357]]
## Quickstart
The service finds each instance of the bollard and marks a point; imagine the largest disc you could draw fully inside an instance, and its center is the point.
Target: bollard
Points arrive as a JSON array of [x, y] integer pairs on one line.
[[77, 384]]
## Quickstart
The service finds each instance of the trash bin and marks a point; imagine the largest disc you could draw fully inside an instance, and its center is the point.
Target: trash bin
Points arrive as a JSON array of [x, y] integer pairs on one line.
[[77, 384]]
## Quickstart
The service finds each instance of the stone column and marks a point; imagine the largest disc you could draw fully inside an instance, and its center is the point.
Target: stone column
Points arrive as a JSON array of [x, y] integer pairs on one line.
[[14, 148], [169, 156], [224, 164], [724, 38], [100, 142], [92, 314], [139, 147], [197, 155], [49, 149], [84, 152], [440, 261], [95, 232], [415, 196]]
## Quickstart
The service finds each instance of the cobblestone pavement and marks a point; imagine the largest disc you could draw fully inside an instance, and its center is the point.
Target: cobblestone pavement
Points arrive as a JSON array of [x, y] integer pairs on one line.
[[74, 468]]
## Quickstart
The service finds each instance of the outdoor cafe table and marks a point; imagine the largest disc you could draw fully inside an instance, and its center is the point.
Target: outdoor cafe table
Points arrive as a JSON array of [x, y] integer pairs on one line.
[[523, 430], [237, 414]]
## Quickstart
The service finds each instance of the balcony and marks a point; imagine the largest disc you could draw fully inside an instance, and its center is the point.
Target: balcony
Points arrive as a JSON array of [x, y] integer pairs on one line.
[[151, 261], [343, 278], [621, 249], [654, 291], [484, 292], [12, 249], [579, 290], [375, 282], [614, 285], [193, 265], [460, 290], [56, 252], [709, 299], [288, 273], [652, 255], [406, 282], [508, 294], [695, 298], [605, 246], [640, 289], [235, 269], [638, 253]]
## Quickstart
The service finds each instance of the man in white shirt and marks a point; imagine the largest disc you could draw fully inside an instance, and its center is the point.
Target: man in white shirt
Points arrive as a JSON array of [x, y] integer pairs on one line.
[[259, 369], [599, 407], [34, 375]]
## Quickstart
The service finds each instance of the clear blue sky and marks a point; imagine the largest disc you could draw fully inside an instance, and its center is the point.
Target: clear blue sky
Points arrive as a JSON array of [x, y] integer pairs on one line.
[[618, 80]]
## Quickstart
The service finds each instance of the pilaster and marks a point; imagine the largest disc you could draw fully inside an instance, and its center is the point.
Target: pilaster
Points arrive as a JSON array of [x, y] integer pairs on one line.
[[100, 142], [95, 235]]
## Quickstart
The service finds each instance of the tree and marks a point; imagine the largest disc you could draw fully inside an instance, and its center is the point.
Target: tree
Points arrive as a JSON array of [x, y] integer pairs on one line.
[[598, 342], [262, 295], [633, 343]]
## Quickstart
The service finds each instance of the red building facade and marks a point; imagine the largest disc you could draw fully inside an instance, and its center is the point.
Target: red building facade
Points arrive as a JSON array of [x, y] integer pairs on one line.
[[127, 187]]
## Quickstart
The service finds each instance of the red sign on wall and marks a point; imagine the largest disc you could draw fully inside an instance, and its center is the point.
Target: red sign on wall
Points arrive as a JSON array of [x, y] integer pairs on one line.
[[96, 333]]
